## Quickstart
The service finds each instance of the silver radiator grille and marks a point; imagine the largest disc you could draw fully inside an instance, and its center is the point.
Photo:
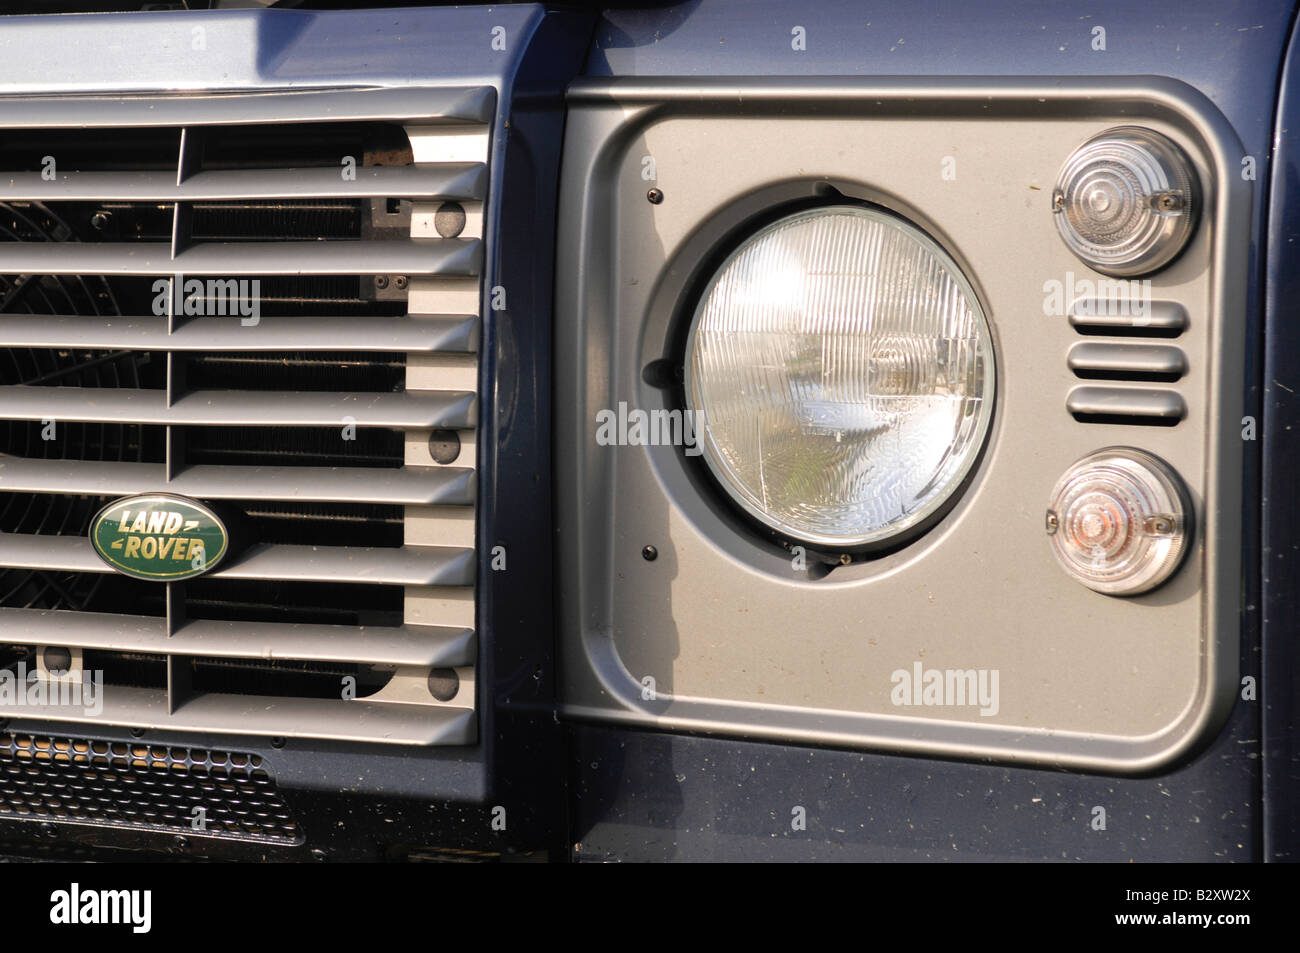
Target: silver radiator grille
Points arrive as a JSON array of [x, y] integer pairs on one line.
[[351, 614]]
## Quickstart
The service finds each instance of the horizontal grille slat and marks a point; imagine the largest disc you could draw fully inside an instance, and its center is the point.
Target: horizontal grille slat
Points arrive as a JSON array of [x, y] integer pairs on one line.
[[451, 257], [411, 486], [415, 645], [453, 333], [443, 105], [356, 720], [461, 181], [398, 566], [233, 408]]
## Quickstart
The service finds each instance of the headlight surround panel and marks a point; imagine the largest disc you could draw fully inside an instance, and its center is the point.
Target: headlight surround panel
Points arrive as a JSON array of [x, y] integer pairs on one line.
[[729, 635]]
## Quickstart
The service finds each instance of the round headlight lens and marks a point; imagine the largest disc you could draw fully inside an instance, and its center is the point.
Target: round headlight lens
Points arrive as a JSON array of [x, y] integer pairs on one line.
[[841, 371]]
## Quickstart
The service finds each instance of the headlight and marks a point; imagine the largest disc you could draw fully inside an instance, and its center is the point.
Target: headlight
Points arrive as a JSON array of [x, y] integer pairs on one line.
[[841, 370]]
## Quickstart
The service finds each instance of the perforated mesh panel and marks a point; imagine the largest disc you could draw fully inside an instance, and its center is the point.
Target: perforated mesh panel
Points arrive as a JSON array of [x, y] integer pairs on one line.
[[142, 787]]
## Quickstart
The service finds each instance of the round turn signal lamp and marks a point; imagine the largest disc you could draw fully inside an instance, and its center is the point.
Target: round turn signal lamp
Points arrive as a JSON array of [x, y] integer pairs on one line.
[[1119, 521], [1126, 201]]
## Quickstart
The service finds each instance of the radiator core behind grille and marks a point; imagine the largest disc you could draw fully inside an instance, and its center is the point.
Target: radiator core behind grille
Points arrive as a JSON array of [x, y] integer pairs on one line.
[[360, 217]]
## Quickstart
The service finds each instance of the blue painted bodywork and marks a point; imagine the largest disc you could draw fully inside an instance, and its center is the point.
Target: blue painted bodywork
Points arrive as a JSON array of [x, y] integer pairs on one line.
[[1279, 504], [265, 49]]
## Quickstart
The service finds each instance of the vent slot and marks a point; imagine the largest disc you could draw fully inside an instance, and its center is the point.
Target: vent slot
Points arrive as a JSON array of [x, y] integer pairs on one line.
[[248, 304], [297, 371], [1126, 362], [340, 604], [1126, 405], [302, 447], [302, 679], [1120, 317]]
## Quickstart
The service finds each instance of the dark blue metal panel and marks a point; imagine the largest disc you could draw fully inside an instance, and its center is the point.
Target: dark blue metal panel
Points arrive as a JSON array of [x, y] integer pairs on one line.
[[1228, 50], [248, 49], [644, 796], [641, 795], [1280, 689]]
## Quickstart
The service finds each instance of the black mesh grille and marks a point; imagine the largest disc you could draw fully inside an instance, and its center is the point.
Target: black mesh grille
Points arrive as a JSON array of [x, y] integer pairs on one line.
[[143, 787]]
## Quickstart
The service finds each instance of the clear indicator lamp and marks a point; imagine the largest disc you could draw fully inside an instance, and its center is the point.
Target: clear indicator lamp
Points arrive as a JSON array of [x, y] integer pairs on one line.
[[1119, 521]]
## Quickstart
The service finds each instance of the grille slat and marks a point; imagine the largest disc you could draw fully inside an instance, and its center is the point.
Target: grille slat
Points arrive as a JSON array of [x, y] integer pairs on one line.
[[456, 333], [382, 566], [437, 106], [410, 645], [454, 409], [413, 485], [460, 181], [357, 720], [439, 257], [313, 422]]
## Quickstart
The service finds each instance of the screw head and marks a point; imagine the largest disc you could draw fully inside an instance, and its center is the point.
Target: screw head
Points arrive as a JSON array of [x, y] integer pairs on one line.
[[399, 282], [381, 281], [1169, 202], [655, 196], [649, 554]]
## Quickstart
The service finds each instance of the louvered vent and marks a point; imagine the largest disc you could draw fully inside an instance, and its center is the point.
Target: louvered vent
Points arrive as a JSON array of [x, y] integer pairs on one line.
[[1130, 362], [340, 418]]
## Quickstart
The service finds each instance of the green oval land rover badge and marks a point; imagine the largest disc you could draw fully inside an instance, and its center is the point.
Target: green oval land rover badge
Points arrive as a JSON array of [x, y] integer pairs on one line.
[[159, 536]]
